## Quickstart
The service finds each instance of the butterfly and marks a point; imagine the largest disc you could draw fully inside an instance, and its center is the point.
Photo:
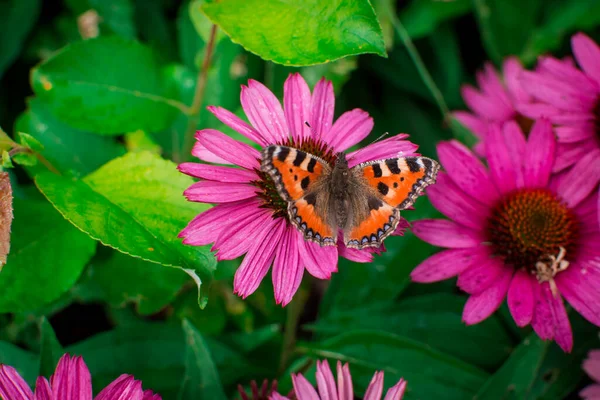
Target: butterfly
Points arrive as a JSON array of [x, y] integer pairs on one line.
[[364, 201]]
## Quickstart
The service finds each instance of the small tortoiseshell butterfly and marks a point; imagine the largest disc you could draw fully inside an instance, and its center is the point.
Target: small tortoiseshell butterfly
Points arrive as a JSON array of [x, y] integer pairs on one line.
[[363, 201]]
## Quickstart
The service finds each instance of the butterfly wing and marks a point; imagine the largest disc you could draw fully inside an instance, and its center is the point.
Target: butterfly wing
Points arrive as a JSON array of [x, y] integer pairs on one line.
[[299, 178], [394, 184]]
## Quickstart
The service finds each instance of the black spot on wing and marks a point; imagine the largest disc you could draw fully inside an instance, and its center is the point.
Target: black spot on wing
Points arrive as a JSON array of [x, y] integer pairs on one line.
[[374, 203], [377, 173], [413, 165], [311, 165], [283, 153], [305, 182], [383, 188], [393, 166], [427, 163], [311, 199], [300, 156]]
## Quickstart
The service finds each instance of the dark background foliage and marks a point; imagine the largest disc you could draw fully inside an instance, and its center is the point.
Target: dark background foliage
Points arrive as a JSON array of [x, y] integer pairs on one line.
[[63, 291]]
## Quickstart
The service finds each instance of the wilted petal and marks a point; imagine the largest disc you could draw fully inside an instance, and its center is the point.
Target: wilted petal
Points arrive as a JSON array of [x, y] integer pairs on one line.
[[297, 105], [71, 380], [125, 387], [6, 216], [482, 305], [12, 386], [350, 128]]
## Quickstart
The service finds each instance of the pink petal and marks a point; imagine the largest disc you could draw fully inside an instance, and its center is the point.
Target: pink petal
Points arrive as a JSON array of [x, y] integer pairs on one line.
[[490, 83], [512, 69], [576, 132], [467, 171], [451, 201], [568, 154], [235, 123], [233, 241], [360, 256], [538, 110], [445, 233], [149, 395], [567, 73], [375, 389], [520, 297], [229, 149], [591, 392], [482, 305], [579, 182], [277, 396], [349, 129], [397, 391], [206, 227], [344, 382], [287, 270], [491, 109], [71, 380], [587, 53], [575, 287], [319, 261], [539, 155], [448, 263], [256, 264], [303, 389], [264, 112], [556, 93], [473, 123], [542, 322], [322, 107], [592, 365], [326, 381], [502, 164], [297, 106], [125, 387], [516, 143], [201, 152], [219, 192], [562, 328], [42, 389], [479, 277], [388, 148], [217, 173], [12, 386]]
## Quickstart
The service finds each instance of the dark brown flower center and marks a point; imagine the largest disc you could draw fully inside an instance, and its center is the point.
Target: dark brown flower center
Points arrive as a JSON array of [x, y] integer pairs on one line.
[[524, 123], [530, 226], [269, 194]]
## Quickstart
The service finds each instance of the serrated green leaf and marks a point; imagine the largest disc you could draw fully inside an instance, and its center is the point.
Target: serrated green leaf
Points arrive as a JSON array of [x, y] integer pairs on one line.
[[47, 256], [17, 17], [299, 32], [84, 87], [201, 379], [50, 349], [134, 204]]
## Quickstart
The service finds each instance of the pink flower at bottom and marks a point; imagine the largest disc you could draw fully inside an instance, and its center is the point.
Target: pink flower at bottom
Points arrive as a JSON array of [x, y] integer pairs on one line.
[[250, 217], [516, 231], [592, 366], [71, 381], [343, 390]]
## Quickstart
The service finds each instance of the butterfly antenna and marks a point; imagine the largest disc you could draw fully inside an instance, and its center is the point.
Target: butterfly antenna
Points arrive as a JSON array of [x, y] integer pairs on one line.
[[312, 130], [376, 140]]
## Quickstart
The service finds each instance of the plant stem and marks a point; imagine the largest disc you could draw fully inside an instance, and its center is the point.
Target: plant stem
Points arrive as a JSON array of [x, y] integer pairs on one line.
[[294, 311], [421, 68], [194, 110]]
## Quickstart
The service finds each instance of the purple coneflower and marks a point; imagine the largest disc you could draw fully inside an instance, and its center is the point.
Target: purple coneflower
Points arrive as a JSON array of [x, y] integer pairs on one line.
[[570, 99], [516, 232], [71, 381], [343, 390], [250, 217], [592, 366]]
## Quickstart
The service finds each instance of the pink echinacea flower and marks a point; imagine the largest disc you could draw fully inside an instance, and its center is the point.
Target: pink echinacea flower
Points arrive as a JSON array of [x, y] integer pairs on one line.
[[516, 231], [250, 217], [592, 366], [71, 381], [343, 390]]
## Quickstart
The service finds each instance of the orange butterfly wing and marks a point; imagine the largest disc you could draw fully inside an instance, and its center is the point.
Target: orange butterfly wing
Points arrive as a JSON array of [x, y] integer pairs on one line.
[[395, 183], [295, 173]]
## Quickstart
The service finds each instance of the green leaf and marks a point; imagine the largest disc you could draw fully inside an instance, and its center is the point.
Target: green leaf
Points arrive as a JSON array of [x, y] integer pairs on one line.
[[6, 161], [201, 379], [434, 319], [50, 349], [46, 258], [430, 374], [141, 141], [299, 32], [17, 17], [134, 204], [23, 361], [71, 151], [123, 280], [84, 87], [30, 142], [116, 17], [506, 25], [422, 17]]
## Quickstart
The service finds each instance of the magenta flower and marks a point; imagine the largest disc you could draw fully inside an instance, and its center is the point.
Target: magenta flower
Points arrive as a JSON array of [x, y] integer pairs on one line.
[[71, 381], [499, 100], [570, 99], [250, 217], [343, 390], [516, 232], [592, 366]]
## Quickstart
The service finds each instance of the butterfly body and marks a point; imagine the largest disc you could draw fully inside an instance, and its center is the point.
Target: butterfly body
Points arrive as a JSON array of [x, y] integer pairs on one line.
[[363, 201]]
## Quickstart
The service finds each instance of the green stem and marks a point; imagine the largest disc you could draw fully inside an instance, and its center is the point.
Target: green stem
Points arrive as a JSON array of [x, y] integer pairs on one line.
[[194, 110], [421, 68], [294, 311]]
